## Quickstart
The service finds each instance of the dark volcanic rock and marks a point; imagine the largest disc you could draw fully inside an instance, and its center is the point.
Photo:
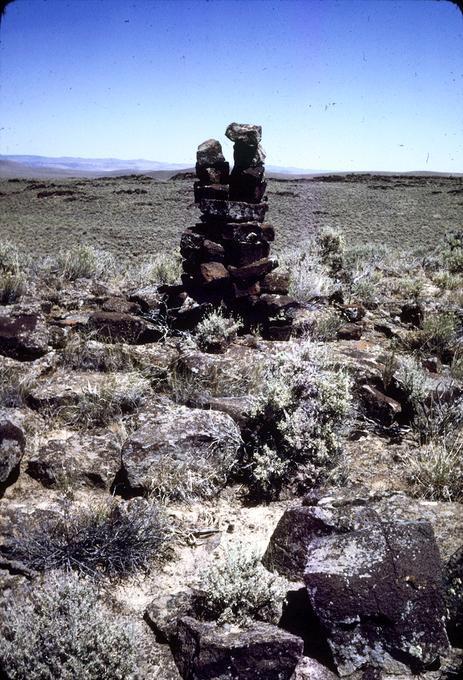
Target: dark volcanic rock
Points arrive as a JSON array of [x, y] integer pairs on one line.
[[245, 133], [12, 442], [275, 282], [117, 327], [213, 274], [350, 331], [375, 586], [209, 152], [214, 174], [80, 460], [377, 591], [203, 651], [255, 270], [214, 191], [23, 335], [453, 580], [233, 210]]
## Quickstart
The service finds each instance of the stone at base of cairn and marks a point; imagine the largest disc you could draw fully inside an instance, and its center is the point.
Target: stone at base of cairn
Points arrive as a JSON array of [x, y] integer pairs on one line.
[[226, 256]]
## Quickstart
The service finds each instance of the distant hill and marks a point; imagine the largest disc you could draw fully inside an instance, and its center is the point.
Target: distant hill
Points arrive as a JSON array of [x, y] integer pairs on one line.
[[45, 167]]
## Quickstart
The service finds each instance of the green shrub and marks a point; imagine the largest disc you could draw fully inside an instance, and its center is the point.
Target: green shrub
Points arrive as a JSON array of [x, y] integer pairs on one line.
[[296, 424], [447, 281], [58, 628], [237, 589], [332, 249], [215, 332], [84, 262], [453, 252], [107, 539], [437, 334], [436, 470]]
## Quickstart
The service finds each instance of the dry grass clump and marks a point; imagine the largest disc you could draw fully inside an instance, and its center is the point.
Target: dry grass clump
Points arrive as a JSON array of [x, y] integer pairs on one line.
[[12, 288], [162, 268], [237, 589], [109, 539], [84, 262], [84, 354], [436, 469], [14, 386], [59, 628], [101, 404]]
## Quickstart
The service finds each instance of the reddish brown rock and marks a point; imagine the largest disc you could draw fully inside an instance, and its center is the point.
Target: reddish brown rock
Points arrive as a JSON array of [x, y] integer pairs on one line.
[[255, 270], [213, 273]]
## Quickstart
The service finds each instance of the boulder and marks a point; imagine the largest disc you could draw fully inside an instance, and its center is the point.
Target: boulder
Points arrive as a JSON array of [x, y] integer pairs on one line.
[[377, 590], [209, 152], [12, 442], [412, 313], [453, 581], [214, 191], [204, 651], [272, 304], [148, 298], [181, 451], [246, 156], [310, 669], [218, 173], [275, 282], [245, 133], [120, 304], [247, 184], [241, 253], [233, 210], [23, 334], [350, 331], [212, 251], [191, 243], [77, 461]]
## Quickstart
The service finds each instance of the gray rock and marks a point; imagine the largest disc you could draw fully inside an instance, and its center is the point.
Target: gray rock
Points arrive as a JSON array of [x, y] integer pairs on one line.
[[379, 406], [243, 132], [204, 651], [310, 669], [181, 452], [209, 152]]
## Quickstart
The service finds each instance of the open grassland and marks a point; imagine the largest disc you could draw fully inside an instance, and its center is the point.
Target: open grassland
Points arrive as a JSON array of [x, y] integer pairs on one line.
[[137, 215]]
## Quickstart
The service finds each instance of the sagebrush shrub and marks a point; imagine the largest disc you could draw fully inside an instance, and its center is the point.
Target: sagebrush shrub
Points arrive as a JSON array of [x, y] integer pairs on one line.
[[297, 421], [216, 331], [108, 539], [59, 628], [9, 258], [332, 249], [308, 276], [237, 589], [12, 287]]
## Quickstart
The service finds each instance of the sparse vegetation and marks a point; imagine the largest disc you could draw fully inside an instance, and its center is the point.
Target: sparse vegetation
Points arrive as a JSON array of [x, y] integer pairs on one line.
[[12, 287], [59, 628], [237, 589], [437, 334]]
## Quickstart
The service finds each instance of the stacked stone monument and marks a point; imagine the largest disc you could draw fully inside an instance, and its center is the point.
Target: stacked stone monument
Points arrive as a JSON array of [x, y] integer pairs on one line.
[[226, 256]]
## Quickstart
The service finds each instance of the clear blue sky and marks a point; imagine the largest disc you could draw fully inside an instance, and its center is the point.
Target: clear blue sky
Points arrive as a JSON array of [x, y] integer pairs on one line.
[[336, 84]]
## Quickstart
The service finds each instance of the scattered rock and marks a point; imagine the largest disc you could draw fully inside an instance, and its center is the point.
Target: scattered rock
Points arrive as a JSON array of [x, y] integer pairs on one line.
[[380, 407], [12, 442], [23, 335]]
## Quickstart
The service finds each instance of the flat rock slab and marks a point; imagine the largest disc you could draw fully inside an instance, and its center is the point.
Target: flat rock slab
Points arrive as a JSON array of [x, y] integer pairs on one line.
[[204, 651]]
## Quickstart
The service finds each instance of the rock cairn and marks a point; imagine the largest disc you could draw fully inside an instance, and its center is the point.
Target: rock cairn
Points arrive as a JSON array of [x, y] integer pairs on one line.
[[226, 256]]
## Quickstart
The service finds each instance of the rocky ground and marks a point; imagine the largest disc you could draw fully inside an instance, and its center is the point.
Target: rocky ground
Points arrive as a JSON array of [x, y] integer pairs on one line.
[[108, 412]]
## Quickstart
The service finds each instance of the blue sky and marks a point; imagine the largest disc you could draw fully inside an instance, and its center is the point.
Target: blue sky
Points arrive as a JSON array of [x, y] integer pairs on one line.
[[336, 84]]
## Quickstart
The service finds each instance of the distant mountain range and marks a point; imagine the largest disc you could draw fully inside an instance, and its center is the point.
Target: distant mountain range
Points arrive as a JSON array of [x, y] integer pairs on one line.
[[69, 166], [46, 167]]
